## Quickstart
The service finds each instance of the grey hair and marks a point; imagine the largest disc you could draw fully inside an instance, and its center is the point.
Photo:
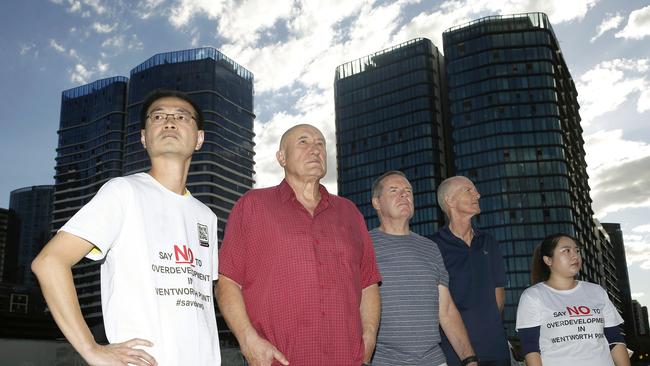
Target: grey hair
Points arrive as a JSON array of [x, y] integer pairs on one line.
[[377, 187], [443, 191]]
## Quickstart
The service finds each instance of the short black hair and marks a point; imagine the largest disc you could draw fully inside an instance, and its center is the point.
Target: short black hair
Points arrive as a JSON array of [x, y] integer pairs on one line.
[[167, 93]]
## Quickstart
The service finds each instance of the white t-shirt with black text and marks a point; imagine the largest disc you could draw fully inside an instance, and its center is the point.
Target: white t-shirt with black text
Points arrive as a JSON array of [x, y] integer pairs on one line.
[[160, 251], [571, 323]]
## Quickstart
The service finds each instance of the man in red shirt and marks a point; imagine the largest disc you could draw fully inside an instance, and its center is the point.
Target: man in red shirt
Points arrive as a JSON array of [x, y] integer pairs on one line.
[[298, 277]]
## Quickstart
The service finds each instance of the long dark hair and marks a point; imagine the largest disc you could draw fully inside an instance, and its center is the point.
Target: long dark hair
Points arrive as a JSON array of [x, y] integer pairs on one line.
[[539, 271]]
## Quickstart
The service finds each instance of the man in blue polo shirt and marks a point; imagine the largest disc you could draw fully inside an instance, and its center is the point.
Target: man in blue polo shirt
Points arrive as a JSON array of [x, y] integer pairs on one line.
[[476, 273]]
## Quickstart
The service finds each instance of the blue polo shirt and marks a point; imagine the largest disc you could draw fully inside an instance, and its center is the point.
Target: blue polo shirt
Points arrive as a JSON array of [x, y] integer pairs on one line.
[[474, 273]]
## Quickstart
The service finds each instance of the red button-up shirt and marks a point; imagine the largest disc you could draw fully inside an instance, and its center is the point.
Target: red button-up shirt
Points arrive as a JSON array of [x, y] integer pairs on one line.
[[301, 276]]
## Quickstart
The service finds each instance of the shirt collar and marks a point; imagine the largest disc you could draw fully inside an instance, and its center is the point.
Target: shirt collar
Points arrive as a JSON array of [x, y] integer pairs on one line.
[[287, 193], [477, 232]]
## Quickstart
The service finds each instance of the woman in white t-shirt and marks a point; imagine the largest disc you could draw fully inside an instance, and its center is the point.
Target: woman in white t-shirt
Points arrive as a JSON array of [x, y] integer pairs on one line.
[[565, 322]]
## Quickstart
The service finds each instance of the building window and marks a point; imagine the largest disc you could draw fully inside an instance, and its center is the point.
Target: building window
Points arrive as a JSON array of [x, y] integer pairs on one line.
[[461, 49]]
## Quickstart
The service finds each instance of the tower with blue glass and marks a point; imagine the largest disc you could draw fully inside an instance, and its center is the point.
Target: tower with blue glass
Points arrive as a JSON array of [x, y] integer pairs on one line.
[[516, 133], [390, 115]]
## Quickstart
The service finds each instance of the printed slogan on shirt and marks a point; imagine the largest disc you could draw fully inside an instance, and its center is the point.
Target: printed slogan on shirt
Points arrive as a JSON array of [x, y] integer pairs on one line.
[[183, 262], [579, 323]]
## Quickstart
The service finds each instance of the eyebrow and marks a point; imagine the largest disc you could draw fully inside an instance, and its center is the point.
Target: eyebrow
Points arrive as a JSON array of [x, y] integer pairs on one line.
[[178, 109], [300, 137], [407, 187]]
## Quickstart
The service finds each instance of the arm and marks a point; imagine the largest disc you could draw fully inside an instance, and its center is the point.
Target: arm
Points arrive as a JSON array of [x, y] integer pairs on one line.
[[370, 311], [452, 324], [529, 338], [533, 359], [53, 268], [257, 350], [620, 356], [500, 294]]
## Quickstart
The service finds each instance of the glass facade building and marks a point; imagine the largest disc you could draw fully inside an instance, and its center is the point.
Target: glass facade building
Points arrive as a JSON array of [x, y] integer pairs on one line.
[[90, 147], [516, 133], [622, 276], [4, 234], [90, 152], [390, 116], [32, 211]]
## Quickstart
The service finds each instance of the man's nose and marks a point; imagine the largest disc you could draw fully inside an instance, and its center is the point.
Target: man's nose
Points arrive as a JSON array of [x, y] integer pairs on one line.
[[170, 122], [314, 149]]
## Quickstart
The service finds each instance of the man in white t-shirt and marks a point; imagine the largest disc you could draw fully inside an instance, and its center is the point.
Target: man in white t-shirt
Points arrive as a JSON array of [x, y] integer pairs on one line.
[[159, 246]]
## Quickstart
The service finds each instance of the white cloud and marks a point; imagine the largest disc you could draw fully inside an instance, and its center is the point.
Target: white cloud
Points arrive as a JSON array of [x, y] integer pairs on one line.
[[612, 22], [638, 24], [637, 250], [115, 41], [619, 170], [80, 74], [637, 295], [147, 8], [606, 149], [74, 54], [27, 48], [186, 9], [609, 84], [57, 47], [102, 67], [104, 28], [121, 42], [642, 229], [96, 5], [75, 6]]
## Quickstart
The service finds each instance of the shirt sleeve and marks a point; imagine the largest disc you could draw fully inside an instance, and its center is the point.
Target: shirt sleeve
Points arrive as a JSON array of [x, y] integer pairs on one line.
[[369, 270], [443, 279], [529, 338], [100, 220], [611, 315], [232, 255], [498, 265], [529, 311], [215, 248]]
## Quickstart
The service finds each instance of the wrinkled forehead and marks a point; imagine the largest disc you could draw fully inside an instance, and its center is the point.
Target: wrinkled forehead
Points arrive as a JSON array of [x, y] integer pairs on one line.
[[303, 131], [395, 180]]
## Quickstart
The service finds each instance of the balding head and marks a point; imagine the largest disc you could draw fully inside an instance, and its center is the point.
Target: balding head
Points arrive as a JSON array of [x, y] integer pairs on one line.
[[302, 152], [291, 130], [447, 188]]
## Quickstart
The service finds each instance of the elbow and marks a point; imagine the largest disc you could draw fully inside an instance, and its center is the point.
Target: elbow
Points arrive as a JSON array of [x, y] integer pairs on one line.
[[38, 266]]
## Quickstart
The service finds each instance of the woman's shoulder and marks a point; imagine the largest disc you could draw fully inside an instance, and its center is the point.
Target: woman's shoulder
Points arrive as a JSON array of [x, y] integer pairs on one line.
[[534, 290], [590, 286]]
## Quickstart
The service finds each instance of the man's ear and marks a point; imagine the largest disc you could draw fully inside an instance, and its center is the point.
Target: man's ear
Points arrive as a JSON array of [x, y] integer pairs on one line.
[[143, 140], [279, 156], [199, 139], [375, 203]]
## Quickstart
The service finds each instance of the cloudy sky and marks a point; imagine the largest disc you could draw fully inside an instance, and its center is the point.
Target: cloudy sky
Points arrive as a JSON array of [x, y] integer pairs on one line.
[[293, 47]]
